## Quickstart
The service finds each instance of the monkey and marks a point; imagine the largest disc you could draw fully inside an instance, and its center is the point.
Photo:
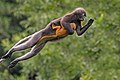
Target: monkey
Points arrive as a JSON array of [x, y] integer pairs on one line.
[[55, 30]]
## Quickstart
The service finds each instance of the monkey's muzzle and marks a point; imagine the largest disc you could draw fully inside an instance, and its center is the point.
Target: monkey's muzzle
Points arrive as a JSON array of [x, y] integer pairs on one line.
[[81, 19]]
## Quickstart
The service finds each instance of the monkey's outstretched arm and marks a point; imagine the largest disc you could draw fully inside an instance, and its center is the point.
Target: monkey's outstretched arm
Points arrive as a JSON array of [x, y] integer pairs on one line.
[[80, 30], [28, 55]]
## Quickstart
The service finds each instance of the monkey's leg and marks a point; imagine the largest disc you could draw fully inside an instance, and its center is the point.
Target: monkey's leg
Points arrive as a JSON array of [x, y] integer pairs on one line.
[[9, 53], [28, 55], [83, 29], [45, 38], [28, 44], [23, 44], [23, 40]]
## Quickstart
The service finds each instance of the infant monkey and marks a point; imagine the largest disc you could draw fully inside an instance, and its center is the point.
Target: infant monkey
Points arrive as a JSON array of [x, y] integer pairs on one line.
[[55, 30]]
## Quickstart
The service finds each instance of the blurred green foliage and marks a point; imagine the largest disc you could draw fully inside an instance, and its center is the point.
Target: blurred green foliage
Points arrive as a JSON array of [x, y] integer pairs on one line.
[[93, 56]]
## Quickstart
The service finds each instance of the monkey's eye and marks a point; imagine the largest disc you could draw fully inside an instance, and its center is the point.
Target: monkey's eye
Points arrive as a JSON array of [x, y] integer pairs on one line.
[[84, 15]]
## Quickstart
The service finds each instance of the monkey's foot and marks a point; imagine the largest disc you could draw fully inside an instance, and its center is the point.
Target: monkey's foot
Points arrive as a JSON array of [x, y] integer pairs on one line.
[[12, 64], [1, 60], [6, 56]]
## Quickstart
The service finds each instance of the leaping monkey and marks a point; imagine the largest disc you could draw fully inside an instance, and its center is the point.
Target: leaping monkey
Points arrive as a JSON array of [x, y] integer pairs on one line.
[[55, 30]]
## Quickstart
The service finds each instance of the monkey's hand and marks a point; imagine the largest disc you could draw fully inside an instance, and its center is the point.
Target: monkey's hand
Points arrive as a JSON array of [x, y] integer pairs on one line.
[[90, 21]]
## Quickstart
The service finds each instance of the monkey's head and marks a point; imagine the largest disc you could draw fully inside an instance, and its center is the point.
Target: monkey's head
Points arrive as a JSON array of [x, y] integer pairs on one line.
[[79, 13]]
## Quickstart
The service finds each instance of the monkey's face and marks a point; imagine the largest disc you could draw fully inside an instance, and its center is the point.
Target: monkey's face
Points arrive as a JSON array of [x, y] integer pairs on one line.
[[80, 14]]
